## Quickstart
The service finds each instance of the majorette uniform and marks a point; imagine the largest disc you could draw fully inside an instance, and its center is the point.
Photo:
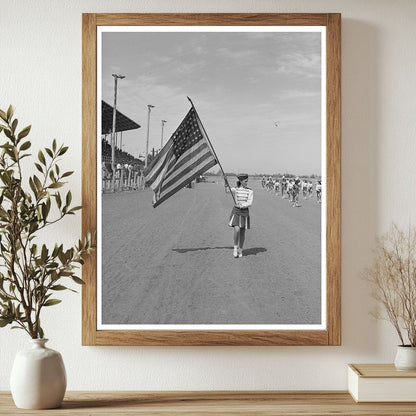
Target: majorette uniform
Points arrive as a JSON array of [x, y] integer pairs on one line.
[[240, 215]]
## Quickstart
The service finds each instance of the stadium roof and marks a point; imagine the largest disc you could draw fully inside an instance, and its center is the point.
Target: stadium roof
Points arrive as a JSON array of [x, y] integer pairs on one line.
[[123, 123]]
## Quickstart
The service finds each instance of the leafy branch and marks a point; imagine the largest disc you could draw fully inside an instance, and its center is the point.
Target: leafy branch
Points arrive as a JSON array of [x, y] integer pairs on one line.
[[30, 274]]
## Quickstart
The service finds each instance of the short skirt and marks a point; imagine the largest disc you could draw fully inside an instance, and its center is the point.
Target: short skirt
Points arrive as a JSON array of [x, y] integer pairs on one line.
[[240, 217]]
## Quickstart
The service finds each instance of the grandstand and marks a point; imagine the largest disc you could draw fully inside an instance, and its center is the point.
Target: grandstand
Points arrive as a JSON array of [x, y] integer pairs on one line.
[[120, 156], [129, 168], [123, 123]]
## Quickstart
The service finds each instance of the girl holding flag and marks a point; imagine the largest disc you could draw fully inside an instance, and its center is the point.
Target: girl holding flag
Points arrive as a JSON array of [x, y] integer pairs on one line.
[[240, 217]]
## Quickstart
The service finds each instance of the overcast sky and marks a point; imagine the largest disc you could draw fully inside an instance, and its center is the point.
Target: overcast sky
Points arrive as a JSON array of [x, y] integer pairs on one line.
[[241, 84]]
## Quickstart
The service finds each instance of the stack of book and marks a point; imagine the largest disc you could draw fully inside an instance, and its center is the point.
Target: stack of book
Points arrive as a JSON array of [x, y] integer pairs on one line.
[[381, 383]]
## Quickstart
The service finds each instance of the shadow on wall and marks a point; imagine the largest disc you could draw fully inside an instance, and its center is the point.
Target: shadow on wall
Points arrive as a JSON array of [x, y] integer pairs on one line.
[[360, 179]]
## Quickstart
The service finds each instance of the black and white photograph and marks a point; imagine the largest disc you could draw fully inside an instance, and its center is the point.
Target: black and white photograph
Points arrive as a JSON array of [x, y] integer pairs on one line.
[[211, 168]]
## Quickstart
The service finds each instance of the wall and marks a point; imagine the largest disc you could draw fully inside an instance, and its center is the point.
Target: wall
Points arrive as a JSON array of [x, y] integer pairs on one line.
[[40, 74]]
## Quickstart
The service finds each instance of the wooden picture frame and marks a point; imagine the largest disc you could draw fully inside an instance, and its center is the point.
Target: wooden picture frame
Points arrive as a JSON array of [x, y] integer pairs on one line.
[[331, 334]]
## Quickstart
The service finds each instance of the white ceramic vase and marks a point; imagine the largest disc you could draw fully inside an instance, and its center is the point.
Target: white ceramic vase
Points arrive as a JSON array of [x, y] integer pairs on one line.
[[38, 377], [405, 358]]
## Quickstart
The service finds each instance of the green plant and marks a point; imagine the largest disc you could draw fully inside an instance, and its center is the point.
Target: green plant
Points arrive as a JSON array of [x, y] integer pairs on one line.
[[393, 277], [30, 272]]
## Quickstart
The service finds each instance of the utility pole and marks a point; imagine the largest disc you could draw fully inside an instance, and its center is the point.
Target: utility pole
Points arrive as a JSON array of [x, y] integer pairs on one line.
[[149, 108], [161, 140], [113, 133]]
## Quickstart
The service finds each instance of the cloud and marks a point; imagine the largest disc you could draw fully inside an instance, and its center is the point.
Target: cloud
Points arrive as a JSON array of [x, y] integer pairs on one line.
[[240, 84], [295, 94], [163, 59], [232, 54]]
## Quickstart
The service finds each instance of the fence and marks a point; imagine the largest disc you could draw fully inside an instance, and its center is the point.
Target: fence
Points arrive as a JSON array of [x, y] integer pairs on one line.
[[125, 180]]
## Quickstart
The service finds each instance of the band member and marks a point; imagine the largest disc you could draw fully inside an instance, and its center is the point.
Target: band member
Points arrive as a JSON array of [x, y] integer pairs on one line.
[[295, 192], [319, 191], [276, 187], [240, 217], [283, 187], [305, 189]]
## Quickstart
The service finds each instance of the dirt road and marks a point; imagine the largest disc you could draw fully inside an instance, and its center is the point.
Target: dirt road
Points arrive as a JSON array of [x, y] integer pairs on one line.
[[174, 264]]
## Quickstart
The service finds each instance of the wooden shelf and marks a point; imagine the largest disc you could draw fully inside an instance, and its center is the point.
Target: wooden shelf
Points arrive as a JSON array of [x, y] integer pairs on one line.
[[266, 403]]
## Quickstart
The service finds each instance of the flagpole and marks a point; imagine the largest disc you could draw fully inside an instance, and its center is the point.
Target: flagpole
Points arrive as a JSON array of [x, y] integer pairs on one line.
[[213, 151]]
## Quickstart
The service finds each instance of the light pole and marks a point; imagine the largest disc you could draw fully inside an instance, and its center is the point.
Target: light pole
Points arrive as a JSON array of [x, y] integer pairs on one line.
[[113, 133], [149, 107], [161, 139]]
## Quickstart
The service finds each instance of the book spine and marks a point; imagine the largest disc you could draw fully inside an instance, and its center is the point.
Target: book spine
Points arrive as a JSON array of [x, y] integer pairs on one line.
[[353, 381]]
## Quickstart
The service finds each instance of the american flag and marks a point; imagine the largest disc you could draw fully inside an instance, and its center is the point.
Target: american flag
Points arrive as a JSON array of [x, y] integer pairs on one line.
[[185, 156]]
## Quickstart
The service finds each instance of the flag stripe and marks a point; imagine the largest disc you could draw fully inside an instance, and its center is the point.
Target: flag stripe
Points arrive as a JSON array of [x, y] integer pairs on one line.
[[157, 165], [158, 179], [185, 156], [184, 183], [188, 170], [184, 160], [153, 171]]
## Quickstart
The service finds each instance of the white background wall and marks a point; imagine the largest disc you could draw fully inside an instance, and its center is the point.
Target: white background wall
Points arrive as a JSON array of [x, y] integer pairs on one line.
[[40, 74]]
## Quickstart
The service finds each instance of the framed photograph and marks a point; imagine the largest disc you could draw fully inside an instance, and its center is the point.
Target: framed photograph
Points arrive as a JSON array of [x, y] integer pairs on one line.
[[211, 172]]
